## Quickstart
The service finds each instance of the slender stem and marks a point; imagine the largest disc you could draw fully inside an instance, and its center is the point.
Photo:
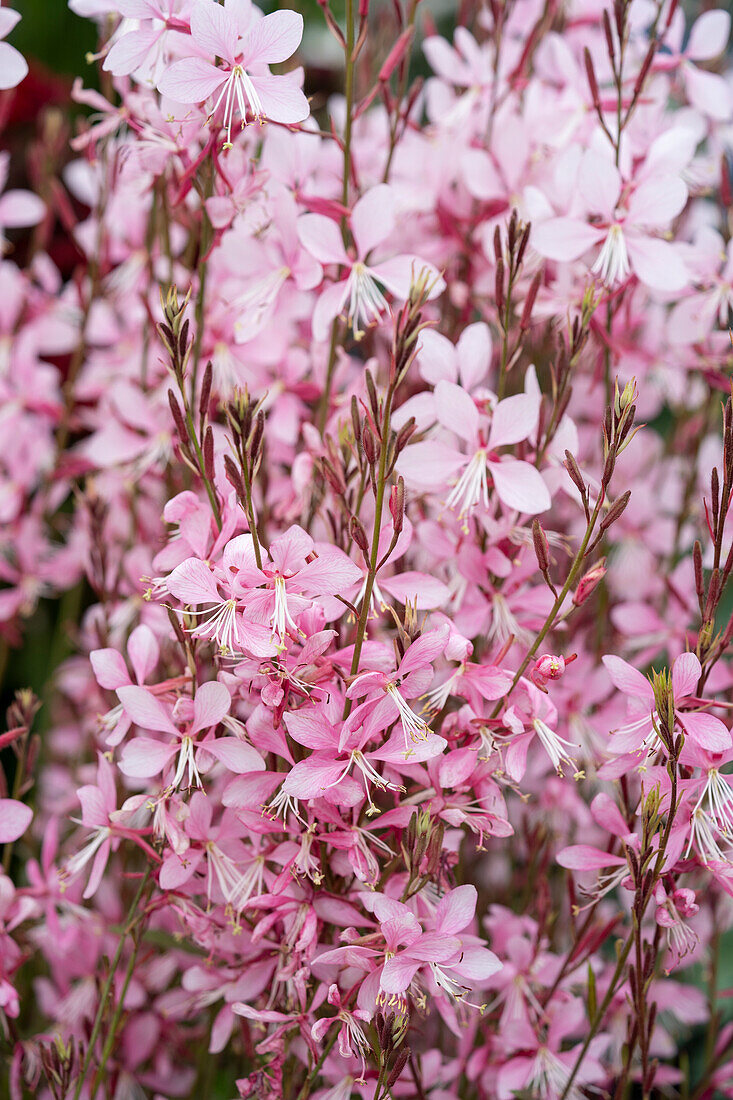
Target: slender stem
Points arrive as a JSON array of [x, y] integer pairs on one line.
[[132, 918], [210, 491], [374, 554], [115, 1021], [550, 620], [349, 93], [598, 1018], [322, 415], [311, 1078]]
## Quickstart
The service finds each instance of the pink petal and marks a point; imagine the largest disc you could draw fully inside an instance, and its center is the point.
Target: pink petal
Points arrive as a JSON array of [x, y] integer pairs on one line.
[[709, 36], [13, 66], [477, 964], [236, 756], [564, 239], [98, 866], [311, 777], [192, 582], [93, 806], [176, 870], [214, 30], [709, 92], [20, 208], [398, 973], [145, 710], [373, 218], [8, 20], [656, 263], [707, 731], [474, 353], [457, 412], [582, 857], [191, 81], [15, 817], [420, 589], [399, 273], [607, 814], [129, 52], [322, 237], [437, 357], [143, 651], [627, 679], [599, 182], [282, 97], [520, 486], [239, 557], [435, 947], [328, 307], [514, 419], [686, 672], [273, 39], [429, 465], [144, 758], [210, 703], [332, 571], [109, 668], [657, 201], [456, 910]]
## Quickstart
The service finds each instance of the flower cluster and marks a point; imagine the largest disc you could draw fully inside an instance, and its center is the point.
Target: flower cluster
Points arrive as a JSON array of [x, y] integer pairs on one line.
[[375, 466]]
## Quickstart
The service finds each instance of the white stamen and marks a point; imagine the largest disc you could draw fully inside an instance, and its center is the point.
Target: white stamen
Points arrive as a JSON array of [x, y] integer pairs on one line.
[[613, 260], [366, 303], [472, 486]]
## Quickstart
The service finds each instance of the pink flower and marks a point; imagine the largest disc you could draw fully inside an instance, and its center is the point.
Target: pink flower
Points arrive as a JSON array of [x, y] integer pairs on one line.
[[143, 758], [701, 728], [432, 464], [622, 220], [358, 297], [246, 46]]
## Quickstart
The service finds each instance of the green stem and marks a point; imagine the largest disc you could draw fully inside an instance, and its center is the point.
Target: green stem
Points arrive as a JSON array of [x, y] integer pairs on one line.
[[211, 492], [132, 918], [374, 554], [598, 1018], [325, 401], [115, 1021], [550, 620]]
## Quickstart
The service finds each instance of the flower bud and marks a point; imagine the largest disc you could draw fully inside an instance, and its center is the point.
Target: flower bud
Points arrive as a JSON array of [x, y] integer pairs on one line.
[[397, 505], [589, 582]]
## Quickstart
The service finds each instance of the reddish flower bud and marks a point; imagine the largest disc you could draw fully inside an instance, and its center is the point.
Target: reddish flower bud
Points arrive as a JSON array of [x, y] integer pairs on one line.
[[589, 582]]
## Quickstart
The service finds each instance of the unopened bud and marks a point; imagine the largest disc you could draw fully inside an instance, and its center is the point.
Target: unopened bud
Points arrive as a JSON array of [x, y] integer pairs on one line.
[[529, 301], [541, 546], [499, 289], [369, 444], [589, 582], [397, 1069], [177, 416], [397, 505], [356, 419], [404, 435], [359, 536], [574, 472], [497, 244], [615, 511], [208, 451], [206, 391]]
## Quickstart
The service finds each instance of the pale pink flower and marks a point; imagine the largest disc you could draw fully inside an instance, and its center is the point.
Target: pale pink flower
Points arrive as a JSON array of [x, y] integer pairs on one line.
[[246, 45], [359, 297], [433, 465], [624, 221]]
